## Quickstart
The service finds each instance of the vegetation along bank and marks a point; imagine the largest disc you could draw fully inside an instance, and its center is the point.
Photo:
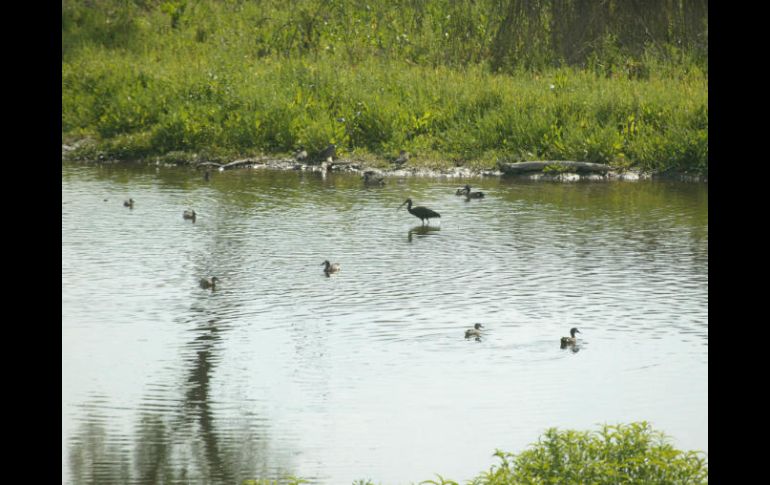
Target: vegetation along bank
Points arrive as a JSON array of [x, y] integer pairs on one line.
[[473, 86]]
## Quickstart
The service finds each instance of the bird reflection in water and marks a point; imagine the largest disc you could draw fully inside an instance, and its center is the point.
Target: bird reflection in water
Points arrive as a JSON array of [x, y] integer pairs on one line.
[[421, 231]]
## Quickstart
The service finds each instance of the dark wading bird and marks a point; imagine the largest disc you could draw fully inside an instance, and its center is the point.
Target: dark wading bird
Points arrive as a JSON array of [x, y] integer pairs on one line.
[[403, 157], [207, 283], [128, 203], [207, 175], [472, 195], [421, 212], [571, 340], [189, 214], [330, 268], [370, 178], [474, 332]]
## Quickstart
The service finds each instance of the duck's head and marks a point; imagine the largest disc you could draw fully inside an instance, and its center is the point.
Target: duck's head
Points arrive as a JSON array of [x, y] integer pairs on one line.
[[478, 326], [573, 331]]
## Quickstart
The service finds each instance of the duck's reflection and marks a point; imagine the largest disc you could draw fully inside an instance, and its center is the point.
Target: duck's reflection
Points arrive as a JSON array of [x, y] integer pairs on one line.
[[574, 348]]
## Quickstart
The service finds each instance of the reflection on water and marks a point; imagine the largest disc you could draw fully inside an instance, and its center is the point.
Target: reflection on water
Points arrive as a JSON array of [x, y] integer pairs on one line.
[[421, 231], [367, 374]]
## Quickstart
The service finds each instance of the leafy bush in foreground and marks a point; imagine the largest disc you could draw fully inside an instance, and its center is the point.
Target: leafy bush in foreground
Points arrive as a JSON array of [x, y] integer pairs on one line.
[[622, 454]]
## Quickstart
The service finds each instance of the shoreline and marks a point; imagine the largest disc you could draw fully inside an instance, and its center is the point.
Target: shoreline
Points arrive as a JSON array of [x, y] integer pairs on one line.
[[546, 171]]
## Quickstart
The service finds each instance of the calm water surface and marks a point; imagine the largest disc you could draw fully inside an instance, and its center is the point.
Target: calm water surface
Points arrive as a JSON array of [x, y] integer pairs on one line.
[[366, 374]]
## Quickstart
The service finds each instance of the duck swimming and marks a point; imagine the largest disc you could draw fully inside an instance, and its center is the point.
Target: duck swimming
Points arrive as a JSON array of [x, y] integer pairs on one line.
[[472, 195], [571, 340], [330, 268], [189, 214], [207, 283], [128, 203], [370, 178], [475, 331]]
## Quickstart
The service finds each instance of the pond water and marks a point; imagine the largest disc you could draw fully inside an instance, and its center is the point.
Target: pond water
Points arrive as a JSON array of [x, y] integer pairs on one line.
[[282, 371]]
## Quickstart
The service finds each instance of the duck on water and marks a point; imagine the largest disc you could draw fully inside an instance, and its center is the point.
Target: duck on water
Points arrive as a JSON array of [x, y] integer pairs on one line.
[[475, 331], [207, 283], [371, 178], [571, 340], [472, 195], [330, 268]]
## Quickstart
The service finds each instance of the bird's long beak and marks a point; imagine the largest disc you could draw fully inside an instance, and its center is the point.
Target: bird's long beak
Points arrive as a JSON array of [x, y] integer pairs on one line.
[[402, 205]]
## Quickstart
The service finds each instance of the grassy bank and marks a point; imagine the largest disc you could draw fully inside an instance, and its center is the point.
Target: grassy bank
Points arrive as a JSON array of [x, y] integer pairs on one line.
[[220, 80]]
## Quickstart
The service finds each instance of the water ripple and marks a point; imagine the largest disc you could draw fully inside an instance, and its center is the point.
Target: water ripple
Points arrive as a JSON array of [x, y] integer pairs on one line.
[[283, 371]]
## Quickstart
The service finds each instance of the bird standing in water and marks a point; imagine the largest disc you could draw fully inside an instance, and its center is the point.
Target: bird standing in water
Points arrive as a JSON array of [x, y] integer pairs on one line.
[[422, 212], [330, 268], [571, 340]]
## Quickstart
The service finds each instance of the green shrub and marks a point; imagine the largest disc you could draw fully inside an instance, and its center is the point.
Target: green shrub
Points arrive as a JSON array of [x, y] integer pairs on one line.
[[629, 454]]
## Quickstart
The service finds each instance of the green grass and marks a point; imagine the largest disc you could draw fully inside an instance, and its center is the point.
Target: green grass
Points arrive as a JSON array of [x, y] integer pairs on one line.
[[139, 84]]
